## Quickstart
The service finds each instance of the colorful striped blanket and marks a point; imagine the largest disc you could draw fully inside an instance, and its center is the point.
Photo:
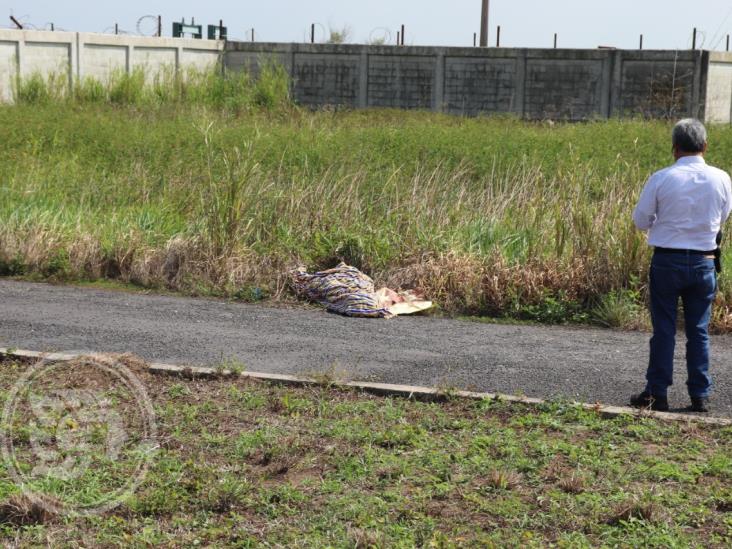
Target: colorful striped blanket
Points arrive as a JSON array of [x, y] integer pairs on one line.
[[344, 290]]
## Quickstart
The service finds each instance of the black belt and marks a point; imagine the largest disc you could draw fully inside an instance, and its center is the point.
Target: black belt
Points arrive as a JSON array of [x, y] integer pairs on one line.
[[660, 250]]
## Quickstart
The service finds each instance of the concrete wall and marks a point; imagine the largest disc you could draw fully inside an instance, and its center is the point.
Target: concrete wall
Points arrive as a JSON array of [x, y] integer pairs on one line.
[[78, 54], [719, 88], [531, 83]]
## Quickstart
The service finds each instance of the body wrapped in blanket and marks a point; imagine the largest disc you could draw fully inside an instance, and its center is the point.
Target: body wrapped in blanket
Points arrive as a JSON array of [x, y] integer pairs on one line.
[[346, 290]]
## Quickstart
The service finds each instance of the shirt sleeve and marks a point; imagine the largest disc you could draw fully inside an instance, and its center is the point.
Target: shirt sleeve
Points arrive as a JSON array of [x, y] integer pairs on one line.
[[644, 215], [728, 199]]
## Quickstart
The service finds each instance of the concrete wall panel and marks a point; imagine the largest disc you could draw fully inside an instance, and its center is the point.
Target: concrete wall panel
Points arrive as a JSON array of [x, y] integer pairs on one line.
[[563, 89], [101, 61], [326, 79], [154, 58], [719, 93], [200, 60], [45, 58], [657, 88], [474, 85], [251, 61], [8, 69], [401, 81]]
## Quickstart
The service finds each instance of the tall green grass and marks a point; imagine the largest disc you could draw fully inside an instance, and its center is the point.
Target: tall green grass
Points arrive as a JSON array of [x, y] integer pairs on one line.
[[487, 216], [236, 91]]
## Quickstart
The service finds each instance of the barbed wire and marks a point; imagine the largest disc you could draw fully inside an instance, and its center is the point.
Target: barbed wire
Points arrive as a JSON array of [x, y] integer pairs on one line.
[[701, 38], [247, 36], [145, 23], [717, 37], [110, 30]]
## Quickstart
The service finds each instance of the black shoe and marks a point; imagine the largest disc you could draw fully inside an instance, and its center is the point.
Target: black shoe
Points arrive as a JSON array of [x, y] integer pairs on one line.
[[699, 404], [647, 400]]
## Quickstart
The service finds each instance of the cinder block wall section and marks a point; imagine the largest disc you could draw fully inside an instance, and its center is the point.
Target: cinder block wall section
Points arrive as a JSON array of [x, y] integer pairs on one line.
[[530, 83], [79, 54]]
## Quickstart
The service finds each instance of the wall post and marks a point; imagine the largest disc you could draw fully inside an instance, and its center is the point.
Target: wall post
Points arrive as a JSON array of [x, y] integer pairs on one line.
[[519, 106], [20, 55], [699, 93], [607, 84], [363, 80], [438, 97], [128, 59], [616, 84]]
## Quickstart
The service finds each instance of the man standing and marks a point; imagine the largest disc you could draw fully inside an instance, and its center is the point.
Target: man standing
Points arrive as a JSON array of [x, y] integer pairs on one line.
[[683, 208]]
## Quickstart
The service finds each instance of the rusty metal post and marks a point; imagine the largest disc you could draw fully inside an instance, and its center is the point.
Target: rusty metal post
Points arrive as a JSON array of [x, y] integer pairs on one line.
[[693, 40], [160, 26], [398, 39], [475, 39], [485, 8], [498, 36], [555, 40], [402, 35], [312, 33], [640, 47]]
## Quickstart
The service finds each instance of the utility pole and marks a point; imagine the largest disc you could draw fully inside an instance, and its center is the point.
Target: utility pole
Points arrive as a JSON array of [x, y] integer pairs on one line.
[[484, 24]]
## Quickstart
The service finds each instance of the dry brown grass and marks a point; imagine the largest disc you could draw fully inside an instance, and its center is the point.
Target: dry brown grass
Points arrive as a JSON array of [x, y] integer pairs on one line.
[[461, 283], [635, 509], [21, 510], [572, 484], [503, 480]]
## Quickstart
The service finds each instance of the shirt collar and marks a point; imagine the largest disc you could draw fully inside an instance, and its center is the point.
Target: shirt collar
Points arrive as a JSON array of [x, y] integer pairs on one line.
[[685, 160]]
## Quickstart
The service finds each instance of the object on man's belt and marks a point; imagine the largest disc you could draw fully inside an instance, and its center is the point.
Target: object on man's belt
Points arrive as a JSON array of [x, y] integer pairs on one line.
[[348, 291], [718, 253]]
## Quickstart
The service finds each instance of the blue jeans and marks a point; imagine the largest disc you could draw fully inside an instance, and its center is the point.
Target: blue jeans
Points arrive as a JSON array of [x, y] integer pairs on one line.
[[691, 277]]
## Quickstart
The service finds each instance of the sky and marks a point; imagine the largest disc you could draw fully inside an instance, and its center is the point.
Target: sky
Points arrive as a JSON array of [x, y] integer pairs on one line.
[[665, 24]]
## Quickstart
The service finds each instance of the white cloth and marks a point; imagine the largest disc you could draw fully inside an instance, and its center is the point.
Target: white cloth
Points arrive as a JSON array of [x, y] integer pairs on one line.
[[684, 206]]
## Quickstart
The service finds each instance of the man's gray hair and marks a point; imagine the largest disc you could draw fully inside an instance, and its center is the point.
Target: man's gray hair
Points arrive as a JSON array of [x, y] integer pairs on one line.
[[689, 135]]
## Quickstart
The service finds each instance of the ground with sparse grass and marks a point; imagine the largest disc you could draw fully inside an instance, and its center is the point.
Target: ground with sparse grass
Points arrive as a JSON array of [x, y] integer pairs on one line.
[[248, 464]]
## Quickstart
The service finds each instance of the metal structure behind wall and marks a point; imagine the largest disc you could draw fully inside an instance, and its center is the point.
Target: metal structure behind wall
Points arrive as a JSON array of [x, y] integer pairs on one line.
[[484, 24]]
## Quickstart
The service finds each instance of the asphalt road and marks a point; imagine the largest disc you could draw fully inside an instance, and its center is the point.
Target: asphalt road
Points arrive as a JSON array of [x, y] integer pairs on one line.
[[580, 363]]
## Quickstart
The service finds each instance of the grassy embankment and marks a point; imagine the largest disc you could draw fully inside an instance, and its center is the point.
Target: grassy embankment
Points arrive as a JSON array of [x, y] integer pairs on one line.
[[219, 187], [245, 464]]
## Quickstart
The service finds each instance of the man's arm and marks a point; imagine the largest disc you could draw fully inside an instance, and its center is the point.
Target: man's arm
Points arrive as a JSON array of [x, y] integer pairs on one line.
[[644, 215], [728, 199]]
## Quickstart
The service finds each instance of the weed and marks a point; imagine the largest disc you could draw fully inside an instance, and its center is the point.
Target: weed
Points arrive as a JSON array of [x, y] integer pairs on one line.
[[227, 494], [21, 510], [572, 484], [230, 367], [618, 309], [503, 479], [635, 509], [329, 376]]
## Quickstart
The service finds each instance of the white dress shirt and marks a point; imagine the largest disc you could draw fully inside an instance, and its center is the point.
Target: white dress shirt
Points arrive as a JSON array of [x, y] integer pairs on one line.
[[685, 205]]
